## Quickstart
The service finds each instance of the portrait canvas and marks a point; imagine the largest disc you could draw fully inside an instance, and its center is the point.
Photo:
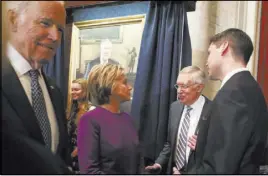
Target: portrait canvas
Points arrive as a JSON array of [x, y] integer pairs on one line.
[[113, 40], [122, 38]]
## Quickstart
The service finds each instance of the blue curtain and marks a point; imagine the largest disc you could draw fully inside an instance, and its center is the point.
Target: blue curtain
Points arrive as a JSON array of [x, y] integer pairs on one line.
[[56, 70], [165, 49]]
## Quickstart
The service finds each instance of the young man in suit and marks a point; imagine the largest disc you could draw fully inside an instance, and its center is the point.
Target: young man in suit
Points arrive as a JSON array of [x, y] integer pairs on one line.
[[31, 103], [234, 138], [184, 122]]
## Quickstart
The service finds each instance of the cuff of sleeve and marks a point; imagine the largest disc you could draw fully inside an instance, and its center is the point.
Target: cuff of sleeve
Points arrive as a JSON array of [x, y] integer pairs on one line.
[[159, 165]]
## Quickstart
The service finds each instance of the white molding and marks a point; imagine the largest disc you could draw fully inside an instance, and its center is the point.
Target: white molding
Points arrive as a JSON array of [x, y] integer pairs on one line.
[[253, 30], [247, 19], [241, 14], [257, 41]]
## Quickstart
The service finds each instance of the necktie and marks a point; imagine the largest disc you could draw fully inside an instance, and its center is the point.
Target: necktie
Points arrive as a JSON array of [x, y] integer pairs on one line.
[[180, 158], [39, 107]]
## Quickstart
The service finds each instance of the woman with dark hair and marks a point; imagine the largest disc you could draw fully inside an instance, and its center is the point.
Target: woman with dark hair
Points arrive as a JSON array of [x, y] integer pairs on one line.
[[107, 139], [80, 105]]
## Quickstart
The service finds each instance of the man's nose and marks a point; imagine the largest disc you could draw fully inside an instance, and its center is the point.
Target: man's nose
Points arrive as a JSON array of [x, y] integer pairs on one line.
[[130, 87], [179, 90], [54, 33]]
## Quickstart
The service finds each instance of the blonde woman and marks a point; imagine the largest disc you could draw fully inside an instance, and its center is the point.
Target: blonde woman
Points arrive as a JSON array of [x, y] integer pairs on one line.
[[80, 105], [107, 139]]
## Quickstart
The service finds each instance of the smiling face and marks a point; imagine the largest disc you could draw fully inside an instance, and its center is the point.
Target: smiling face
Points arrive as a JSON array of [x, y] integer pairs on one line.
[[188, 91], [37, 30], [76, 91]]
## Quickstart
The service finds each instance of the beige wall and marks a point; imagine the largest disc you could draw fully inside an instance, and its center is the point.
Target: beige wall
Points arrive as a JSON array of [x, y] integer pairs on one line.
[[211, 17]]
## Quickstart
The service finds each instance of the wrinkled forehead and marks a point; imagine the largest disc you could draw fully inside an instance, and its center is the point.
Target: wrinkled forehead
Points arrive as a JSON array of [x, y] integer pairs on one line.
[[53, 11], [184, 78]]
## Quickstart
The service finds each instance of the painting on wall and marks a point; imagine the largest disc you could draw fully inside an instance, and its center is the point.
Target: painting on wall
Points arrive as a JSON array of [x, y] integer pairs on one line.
[[112, 40], [96, 35]]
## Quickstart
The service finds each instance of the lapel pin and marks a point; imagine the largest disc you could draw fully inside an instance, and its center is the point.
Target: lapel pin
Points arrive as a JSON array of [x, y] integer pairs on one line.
[[51, 87], [204, 118]]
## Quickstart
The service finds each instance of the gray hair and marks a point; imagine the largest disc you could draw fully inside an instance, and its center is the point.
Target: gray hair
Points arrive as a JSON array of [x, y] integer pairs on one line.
[[196, 74], [21, 6]]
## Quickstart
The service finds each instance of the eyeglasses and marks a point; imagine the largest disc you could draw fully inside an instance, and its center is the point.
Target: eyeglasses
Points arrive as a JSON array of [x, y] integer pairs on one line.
[[183, 86]]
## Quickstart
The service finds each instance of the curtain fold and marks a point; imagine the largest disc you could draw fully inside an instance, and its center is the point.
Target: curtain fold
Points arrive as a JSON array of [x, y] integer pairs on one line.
[[165, 49]]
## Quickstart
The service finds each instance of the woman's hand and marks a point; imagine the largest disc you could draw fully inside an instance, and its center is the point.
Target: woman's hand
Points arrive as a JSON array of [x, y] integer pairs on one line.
[[74, 153], [192, 142]]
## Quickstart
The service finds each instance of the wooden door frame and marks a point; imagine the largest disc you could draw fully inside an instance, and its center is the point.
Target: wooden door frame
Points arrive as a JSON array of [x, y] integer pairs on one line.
[[262, 76]]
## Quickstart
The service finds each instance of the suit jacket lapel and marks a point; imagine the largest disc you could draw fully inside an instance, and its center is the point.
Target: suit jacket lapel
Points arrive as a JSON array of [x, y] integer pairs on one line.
[[203, 115], [176, 115], [18, 99], [202, 120]]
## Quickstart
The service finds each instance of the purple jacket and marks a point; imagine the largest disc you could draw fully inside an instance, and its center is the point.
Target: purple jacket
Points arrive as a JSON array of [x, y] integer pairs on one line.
[[107, 143]]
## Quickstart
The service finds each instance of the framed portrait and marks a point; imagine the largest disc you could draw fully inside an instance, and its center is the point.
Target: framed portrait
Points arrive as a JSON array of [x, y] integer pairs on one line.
[[96, 35], [119, 37]]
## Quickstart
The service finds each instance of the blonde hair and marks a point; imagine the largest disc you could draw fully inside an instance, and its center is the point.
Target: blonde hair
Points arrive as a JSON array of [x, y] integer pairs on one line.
[[196, 74], [101, 81], [83, 105]]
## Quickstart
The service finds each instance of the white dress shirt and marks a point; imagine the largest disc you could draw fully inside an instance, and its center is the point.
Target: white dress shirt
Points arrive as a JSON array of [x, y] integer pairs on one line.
[[230, 74], [195, 114], [21, 67]]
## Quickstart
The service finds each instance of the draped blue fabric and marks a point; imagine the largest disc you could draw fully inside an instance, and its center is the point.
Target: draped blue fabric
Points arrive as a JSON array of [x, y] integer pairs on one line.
[[57, 71], [165, 49]]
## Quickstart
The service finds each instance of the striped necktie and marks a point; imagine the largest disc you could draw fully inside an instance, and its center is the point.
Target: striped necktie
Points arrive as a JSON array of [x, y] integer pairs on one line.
[[180, 158], [39, 107]]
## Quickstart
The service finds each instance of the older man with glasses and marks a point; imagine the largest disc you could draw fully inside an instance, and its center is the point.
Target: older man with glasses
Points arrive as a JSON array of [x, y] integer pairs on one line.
[[184, 122]]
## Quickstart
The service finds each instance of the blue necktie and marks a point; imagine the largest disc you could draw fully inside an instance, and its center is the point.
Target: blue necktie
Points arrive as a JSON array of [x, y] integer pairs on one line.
[[180, 157], [39, 107]]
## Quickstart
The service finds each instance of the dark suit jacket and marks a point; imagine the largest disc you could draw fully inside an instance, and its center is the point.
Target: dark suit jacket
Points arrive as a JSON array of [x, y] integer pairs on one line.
[[233, 139], [23, 155], [19, 115], [166, 157]]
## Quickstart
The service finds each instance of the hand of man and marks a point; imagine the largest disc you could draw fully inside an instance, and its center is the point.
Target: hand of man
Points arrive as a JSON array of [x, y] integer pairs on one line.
[[156, 168], [176, 171], [192, 142], [74, 153]]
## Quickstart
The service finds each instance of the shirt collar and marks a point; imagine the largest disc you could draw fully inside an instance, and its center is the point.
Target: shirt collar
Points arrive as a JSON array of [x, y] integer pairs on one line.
[[19, 63], [230, 74], [197, 102]]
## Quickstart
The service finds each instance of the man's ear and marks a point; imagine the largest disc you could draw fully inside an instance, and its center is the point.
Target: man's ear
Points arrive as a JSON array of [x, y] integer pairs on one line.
[[224, 47], [12, 20], [200, 87]]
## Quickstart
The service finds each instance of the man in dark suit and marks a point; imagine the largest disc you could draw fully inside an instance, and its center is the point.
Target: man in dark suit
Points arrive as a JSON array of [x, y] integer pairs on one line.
[[31, 103], [184, 122], [234, 138], [97, 61], [106, 47]]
